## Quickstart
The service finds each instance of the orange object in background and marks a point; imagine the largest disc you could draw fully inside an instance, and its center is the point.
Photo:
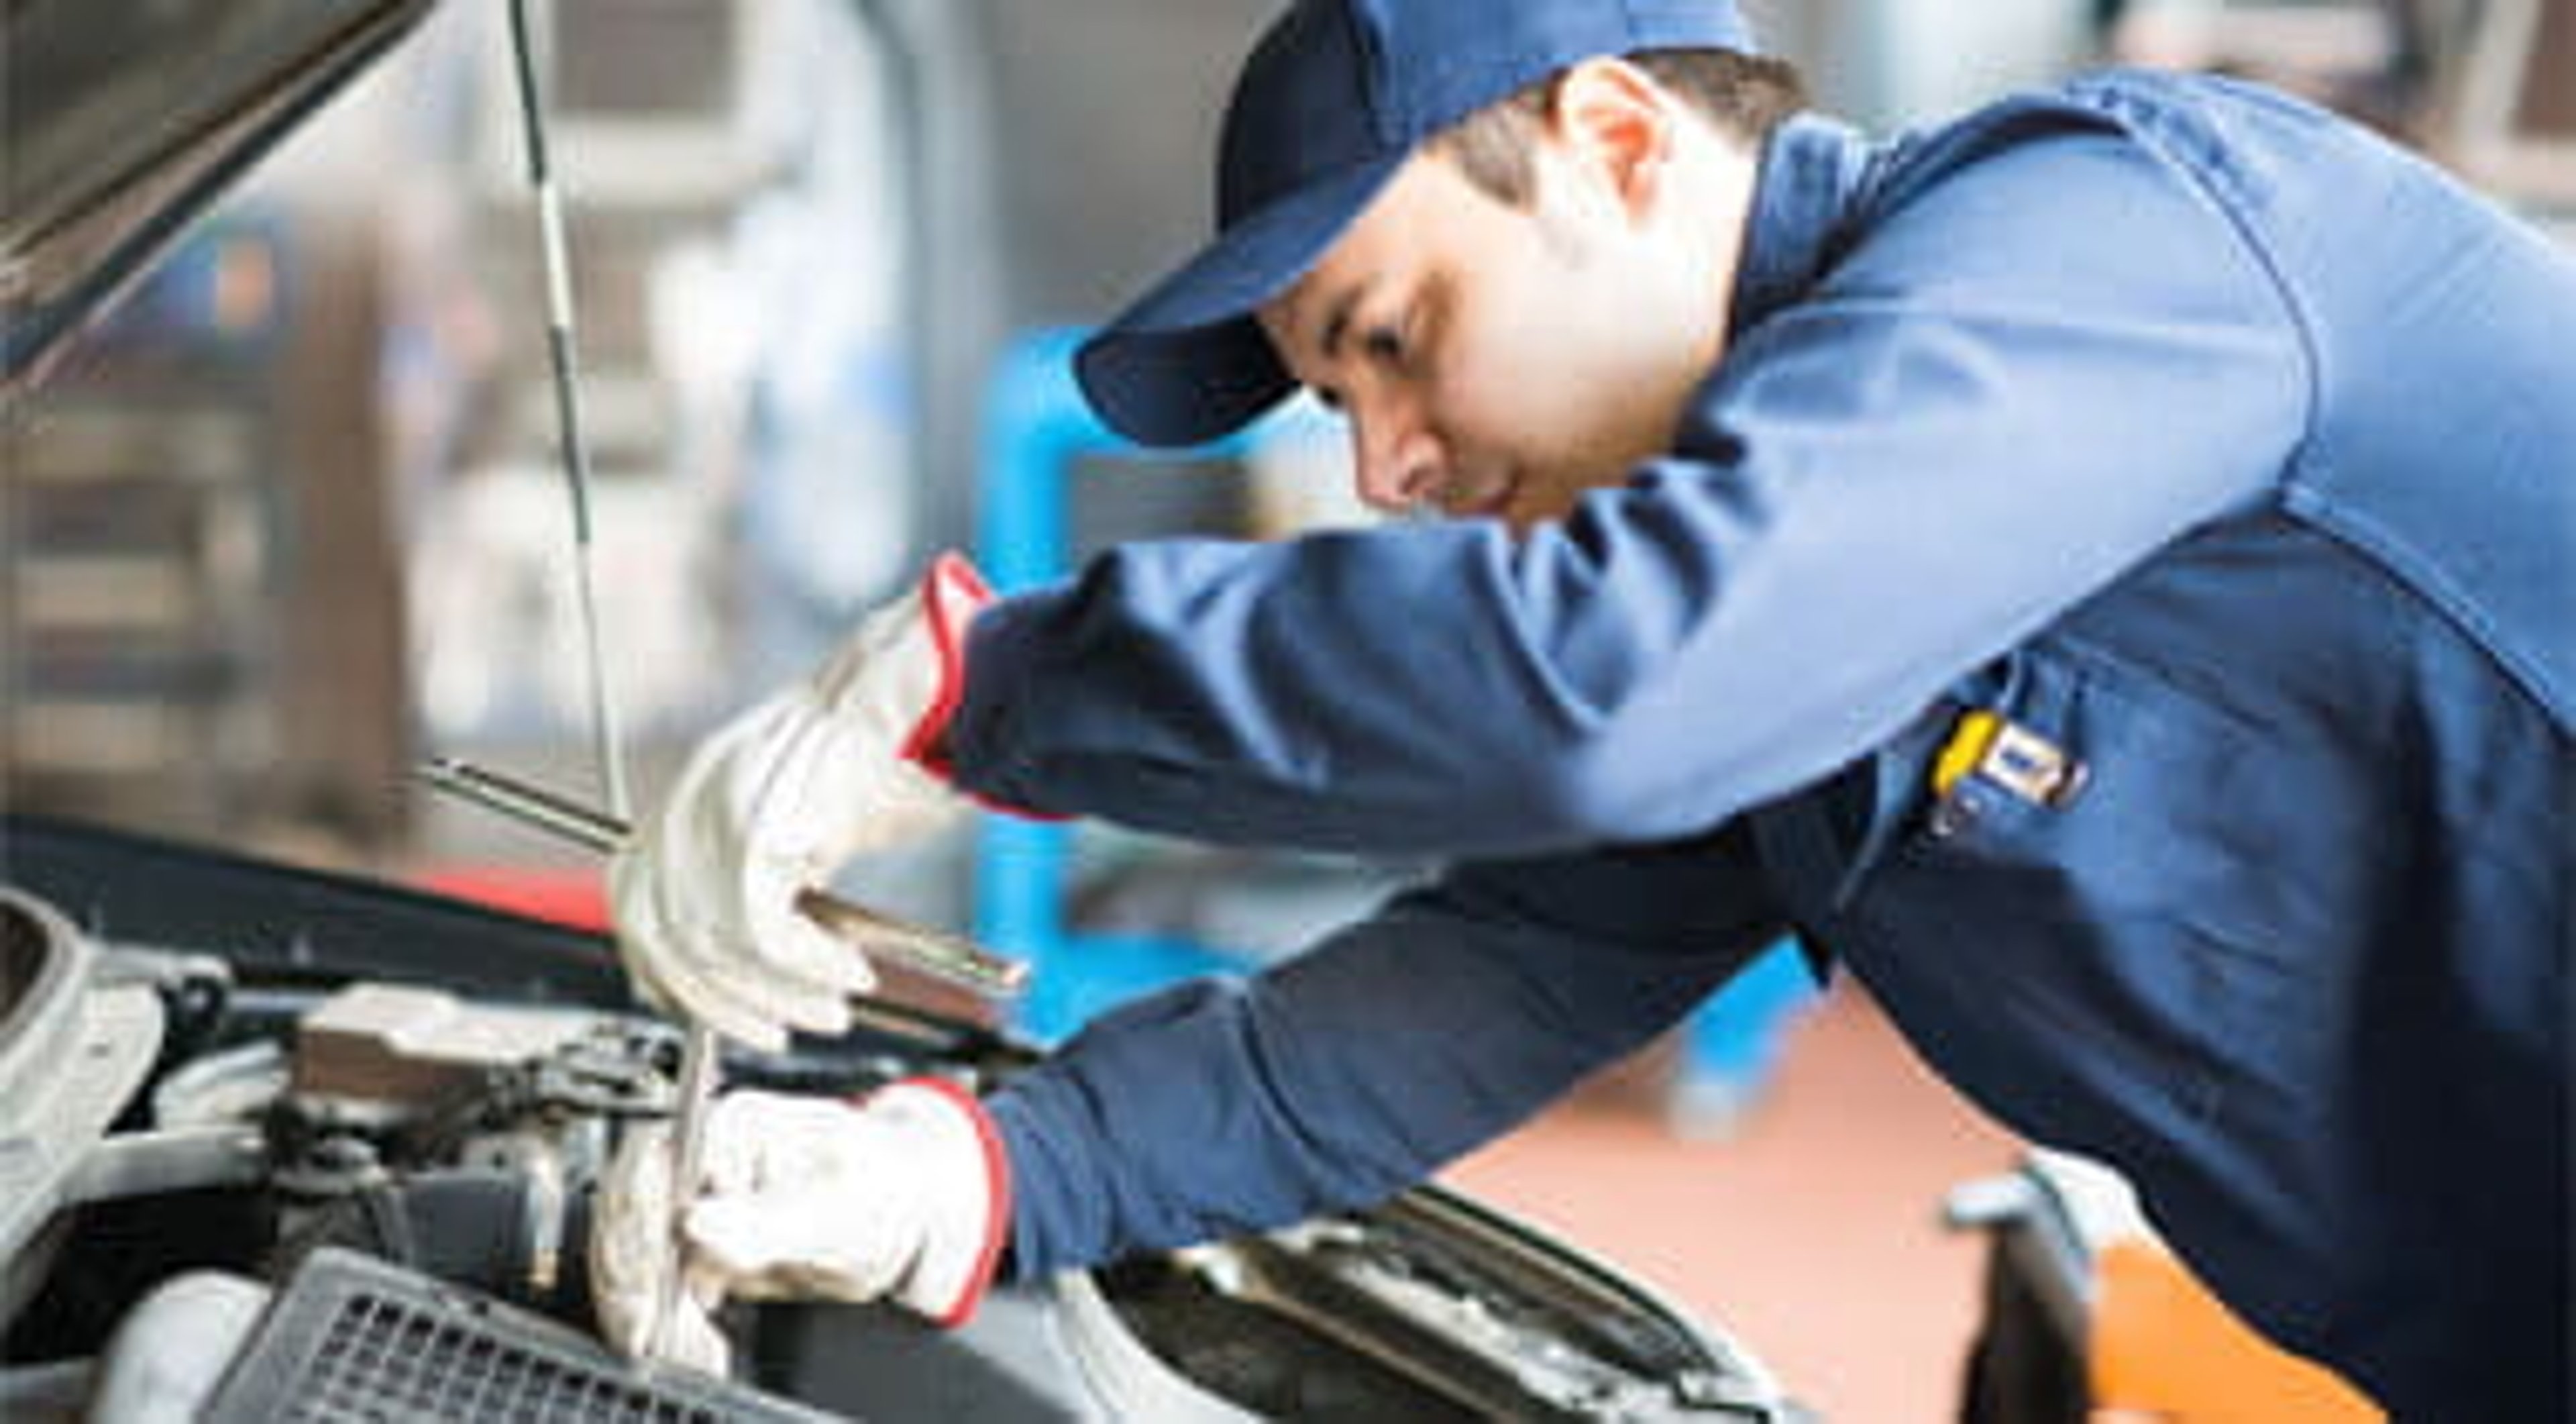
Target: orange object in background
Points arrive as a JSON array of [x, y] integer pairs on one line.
[[2164, 1349], [2091, 1317]]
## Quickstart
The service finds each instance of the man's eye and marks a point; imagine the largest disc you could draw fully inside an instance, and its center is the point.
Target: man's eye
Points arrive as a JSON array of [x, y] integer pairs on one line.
[[1384, 343]]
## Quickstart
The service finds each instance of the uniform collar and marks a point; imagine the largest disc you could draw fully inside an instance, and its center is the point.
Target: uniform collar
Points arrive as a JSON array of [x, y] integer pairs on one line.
[[1812, 171]]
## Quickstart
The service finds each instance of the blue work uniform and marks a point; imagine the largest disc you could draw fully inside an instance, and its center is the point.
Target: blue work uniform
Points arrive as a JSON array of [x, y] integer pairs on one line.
[[2112, 598]]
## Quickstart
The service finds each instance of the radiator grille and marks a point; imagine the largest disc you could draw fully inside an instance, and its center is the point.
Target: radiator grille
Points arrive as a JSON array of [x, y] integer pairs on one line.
[[355, 1340], [383, 1359]]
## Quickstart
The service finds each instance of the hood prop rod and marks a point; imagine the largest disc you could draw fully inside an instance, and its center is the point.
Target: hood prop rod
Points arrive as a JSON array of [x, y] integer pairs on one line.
[[699, 1055]]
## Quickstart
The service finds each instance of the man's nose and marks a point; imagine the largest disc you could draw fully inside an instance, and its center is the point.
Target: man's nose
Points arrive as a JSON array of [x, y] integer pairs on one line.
[[1397, 460]]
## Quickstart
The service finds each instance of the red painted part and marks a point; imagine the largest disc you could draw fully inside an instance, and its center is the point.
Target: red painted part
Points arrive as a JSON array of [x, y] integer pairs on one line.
[[578, 898]]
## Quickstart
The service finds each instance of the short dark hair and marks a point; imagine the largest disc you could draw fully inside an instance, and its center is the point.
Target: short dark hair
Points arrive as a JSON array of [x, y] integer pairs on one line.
[[1744, 96]]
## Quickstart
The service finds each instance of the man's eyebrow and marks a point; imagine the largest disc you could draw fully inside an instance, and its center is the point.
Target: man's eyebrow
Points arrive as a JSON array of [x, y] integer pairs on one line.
[[1337, 318]]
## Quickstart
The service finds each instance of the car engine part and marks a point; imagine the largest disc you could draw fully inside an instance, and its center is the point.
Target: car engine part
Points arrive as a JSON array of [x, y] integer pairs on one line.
[[298, 1071]]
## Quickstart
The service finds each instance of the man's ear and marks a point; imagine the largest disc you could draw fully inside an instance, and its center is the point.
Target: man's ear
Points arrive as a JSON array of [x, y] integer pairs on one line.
[[1616, 122]]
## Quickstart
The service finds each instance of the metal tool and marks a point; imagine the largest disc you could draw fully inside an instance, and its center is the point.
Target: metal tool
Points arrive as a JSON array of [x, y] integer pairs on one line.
[[942, 956]]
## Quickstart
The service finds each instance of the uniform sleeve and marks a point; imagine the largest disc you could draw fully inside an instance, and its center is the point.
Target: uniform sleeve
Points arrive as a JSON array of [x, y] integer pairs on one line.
[[2025, 379], [1356, 1069]]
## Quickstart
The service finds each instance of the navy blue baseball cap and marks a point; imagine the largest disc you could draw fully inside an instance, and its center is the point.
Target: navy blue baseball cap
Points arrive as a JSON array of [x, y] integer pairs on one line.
[[1332, 100]]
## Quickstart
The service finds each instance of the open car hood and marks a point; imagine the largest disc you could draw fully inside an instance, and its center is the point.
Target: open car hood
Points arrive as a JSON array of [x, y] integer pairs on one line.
[[126, 118]]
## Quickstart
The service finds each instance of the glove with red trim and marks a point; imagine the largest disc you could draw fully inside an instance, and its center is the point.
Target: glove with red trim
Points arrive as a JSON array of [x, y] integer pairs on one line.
[[905, 1196], [773, 802]]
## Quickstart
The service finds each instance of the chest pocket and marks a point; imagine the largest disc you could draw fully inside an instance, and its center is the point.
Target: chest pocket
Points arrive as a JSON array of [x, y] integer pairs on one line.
[[2108, 950]]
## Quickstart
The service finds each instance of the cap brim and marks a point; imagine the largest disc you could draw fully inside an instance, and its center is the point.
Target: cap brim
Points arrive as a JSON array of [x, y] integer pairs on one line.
[[1187, 363]]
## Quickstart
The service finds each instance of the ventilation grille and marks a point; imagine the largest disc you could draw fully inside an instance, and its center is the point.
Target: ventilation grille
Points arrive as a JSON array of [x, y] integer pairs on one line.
[[381, 1359], [355, 1340]]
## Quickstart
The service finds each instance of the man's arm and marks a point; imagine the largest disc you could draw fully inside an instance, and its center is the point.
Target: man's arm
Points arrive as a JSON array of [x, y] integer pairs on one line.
[[1356, 1069], [2021, 382]]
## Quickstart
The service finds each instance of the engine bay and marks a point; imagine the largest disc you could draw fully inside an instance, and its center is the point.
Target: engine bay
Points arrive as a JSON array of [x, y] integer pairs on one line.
[[257, 1094]]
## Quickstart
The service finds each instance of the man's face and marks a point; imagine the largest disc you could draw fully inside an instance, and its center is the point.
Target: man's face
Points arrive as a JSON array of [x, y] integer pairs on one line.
[[1496, 360]]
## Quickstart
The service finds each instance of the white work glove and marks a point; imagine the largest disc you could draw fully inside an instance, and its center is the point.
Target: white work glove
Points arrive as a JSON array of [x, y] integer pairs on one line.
[[773, 802], [904, 1196], [635, 1261]]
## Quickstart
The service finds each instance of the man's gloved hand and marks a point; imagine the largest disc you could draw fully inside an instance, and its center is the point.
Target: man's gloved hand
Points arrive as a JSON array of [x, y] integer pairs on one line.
[[773, 802], [634, 1263], [905, 1195]]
